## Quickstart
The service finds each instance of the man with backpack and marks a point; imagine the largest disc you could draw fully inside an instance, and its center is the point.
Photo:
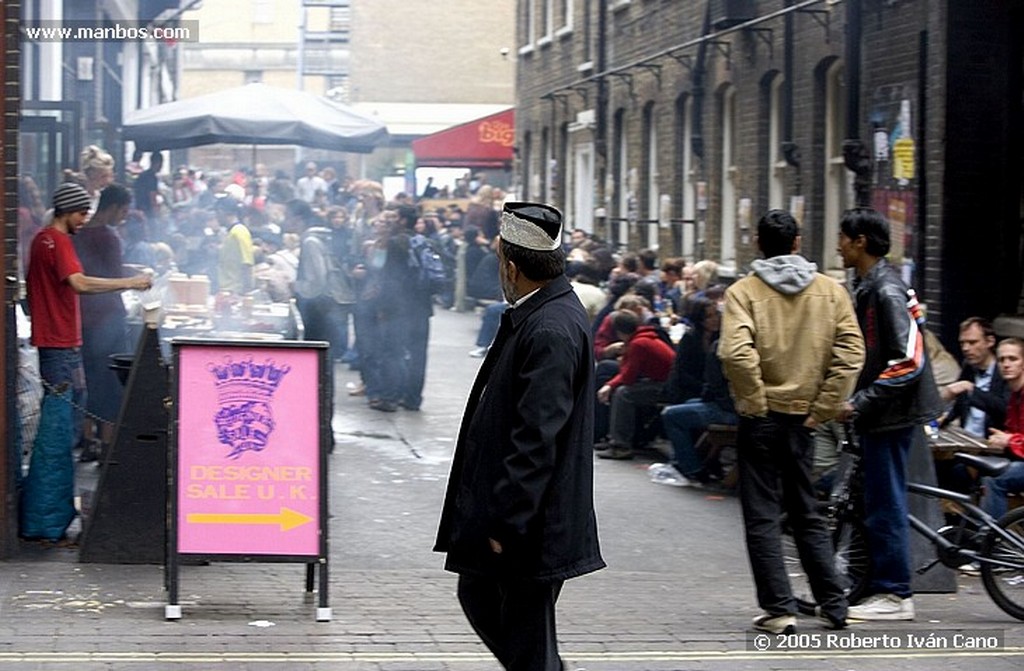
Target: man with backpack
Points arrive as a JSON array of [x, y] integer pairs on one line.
[[323, 289], [427, 278]]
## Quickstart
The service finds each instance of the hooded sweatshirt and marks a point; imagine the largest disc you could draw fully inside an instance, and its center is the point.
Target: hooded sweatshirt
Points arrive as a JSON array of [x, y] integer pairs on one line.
[[790, 341]]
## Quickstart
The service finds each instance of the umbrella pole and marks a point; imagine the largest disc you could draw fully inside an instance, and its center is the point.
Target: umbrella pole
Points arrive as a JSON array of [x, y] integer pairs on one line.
[[254, 159]]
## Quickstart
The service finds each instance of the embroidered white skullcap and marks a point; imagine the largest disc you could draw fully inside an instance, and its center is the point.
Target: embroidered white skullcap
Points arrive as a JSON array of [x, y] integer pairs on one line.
[[531, 225]]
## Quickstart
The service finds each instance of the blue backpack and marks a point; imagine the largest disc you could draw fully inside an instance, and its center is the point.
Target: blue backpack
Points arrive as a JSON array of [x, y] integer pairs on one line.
[[428, 266]]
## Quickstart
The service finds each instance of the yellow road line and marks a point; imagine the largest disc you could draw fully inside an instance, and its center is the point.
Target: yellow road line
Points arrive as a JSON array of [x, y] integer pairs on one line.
[[466, 657]]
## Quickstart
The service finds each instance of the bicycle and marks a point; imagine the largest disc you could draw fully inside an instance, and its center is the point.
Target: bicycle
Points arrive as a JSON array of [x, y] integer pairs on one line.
[[996, 545]]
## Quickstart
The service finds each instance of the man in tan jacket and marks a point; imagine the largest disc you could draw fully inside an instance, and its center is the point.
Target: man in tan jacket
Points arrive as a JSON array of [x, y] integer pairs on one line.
[[791, 349]]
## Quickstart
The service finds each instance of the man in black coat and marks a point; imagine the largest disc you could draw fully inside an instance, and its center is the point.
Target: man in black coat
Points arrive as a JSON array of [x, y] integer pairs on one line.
[[518, 517]]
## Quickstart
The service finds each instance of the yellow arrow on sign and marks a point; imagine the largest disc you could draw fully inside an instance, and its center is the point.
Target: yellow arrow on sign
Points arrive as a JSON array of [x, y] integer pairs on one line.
[[287, 518]]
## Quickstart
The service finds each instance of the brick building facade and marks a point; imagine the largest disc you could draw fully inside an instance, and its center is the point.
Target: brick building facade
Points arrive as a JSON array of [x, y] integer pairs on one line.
[[678, 124]]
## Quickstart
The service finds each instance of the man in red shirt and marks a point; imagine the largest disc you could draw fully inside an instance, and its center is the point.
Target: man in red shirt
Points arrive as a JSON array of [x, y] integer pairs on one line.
[[53, 281], [1010, 356], [646, 364]]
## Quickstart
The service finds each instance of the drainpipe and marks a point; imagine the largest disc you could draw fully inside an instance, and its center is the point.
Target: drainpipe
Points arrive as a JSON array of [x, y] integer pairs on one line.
[[790, 149], [922, 173], [699, 75], [855, 153], [697, 125], [601, 131]]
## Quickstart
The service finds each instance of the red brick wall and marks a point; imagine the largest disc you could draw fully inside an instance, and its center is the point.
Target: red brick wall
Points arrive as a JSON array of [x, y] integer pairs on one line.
[[956, 62]]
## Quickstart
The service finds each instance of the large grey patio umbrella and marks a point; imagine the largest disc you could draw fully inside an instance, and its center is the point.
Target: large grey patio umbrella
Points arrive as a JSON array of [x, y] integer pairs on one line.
[[254, 114]]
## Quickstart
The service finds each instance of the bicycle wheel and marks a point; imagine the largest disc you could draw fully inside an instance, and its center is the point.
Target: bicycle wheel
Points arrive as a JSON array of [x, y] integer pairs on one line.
[[850, 560], [1005, 584]]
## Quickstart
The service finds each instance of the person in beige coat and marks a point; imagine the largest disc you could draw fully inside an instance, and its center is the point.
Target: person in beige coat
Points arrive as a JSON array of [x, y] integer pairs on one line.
[[791, 350]]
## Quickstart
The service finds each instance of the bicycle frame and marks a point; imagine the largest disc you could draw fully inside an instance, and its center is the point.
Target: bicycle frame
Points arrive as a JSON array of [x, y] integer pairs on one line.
[[977, 538], [952, 554]]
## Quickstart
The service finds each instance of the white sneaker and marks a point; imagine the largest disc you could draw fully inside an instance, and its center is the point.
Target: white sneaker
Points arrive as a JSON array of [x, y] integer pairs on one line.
[[972, 569], [667, 474], [883, 607], [478, 353]]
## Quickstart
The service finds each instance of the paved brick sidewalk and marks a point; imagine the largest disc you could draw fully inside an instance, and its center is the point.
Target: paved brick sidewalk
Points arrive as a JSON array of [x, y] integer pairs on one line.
[[677, 593]]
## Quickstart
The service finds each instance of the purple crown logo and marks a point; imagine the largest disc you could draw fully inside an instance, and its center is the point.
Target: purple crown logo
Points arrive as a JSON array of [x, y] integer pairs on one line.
[[247, 381]]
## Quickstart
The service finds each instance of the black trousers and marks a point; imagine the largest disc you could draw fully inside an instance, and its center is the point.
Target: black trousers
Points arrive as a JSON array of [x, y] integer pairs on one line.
[[415, 331], [515, 619], [775, 454]]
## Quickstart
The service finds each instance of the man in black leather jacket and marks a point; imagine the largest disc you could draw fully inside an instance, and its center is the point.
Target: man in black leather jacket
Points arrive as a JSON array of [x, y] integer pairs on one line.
[[895, 394]]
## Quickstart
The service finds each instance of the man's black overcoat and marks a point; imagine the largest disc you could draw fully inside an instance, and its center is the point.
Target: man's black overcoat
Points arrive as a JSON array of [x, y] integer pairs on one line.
[[522, 473]]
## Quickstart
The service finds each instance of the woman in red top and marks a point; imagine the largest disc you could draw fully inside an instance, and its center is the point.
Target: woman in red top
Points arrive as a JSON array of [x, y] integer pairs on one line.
[[1010, 358]]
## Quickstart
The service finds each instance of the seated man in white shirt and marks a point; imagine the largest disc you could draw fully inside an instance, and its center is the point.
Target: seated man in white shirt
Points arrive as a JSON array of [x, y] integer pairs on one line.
[[980, 395]]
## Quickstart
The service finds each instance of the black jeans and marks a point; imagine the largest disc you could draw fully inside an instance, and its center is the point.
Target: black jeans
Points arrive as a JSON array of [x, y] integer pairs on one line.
[[604, 371], [775, 455], [415, 332], [515, 619]]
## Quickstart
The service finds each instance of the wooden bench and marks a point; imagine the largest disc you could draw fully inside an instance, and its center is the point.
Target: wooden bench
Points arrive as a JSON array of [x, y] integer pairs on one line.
[[718, 441]]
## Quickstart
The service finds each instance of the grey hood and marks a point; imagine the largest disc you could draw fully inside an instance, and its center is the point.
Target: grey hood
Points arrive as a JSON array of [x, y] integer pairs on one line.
[[788, 274]]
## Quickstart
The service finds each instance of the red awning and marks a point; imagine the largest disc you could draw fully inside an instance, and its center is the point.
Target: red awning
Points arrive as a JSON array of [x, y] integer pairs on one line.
[[483, 143]]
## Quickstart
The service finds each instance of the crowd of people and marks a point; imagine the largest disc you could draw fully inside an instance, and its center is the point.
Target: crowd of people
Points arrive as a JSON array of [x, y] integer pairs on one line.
[[787, 355], [335, 246], [783, 354], [365, 273]]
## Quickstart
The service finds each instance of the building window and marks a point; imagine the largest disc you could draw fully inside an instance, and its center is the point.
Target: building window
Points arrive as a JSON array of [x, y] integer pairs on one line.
[[527, 166], [685, 198], [588, 48], [775, 170], [561, 181], [729, 174], [583, 195], [263, 11], [547, 21], [626, 190], [838, 180], [563, 16], [529, 23], [651, 174], [545, 165]]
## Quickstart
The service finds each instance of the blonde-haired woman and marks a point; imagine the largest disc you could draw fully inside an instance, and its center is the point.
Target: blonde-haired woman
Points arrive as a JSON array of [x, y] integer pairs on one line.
[[705, 273], [98, 168]]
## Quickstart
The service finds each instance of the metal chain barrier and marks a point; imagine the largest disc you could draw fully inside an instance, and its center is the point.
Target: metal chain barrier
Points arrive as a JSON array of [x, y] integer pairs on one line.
[[65, 394]]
